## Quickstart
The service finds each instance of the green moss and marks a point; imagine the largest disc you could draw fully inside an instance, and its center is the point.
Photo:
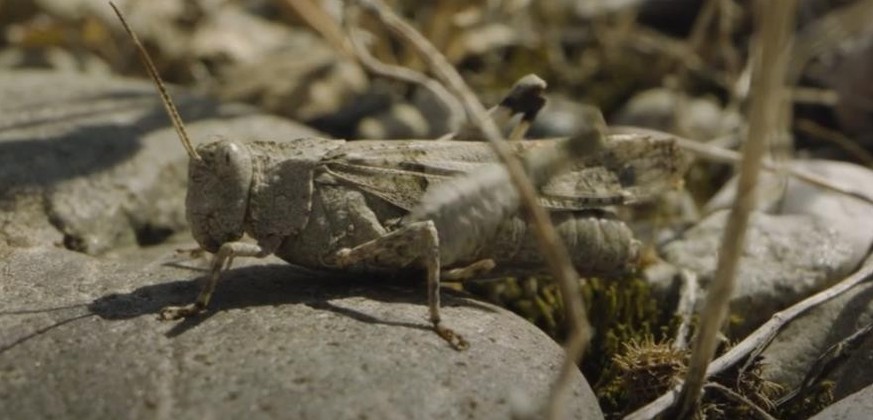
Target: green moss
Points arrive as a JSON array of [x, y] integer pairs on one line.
[[640, 372], [631, 360], [532, 298], [620, 311]]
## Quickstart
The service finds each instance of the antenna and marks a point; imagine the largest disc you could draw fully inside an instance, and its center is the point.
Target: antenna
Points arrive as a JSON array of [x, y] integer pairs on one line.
[[162, 90]]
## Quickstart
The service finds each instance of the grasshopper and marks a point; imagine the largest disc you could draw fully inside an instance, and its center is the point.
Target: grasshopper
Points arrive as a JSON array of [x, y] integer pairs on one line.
[[445, 206]]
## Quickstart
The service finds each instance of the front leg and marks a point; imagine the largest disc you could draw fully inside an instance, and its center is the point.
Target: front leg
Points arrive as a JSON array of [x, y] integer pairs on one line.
[[220, 262], [418, 243]]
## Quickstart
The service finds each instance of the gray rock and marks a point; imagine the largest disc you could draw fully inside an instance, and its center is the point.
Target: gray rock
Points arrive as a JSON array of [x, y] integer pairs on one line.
[[401, 121], [848, 75], [786, 258], [857, 406], [91, 162], [666, 110], [814, 238], [79, 339], [560, 118], [848, 217], [306, 80], [52, 58]]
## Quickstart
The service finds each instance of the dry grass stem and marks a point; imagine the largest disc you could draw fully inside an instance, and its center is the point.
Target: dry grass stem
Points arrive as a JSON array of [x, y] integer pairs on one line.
[[320, 22], [554, 252], [739, 398], [405, 74], [574, 348], [814, 96], [767, 107], [685, 308], [759, 339]]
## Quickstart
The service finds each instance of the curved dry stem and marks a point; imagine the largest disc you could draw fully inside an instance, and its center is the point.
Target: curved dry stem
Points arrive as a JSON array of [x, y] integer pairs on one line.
[[320, 21], [731, 394], [404, 74]]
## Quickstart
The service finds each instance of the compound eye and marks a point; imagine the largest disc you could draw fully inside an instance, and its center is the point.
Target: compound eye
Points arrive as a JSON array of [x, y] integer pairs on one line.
[[232, 156], [234, 161]]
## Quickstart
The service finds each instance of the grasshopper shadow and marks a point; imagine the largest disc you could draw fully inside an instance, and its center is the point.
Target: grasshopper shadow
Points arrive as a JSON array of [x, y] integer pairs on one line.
[[278, 285]]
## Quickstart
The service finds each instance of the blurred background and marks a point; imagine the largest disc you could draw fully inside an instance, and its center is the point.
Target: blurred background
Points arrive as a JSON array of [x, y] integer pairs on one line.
[[675, 65]]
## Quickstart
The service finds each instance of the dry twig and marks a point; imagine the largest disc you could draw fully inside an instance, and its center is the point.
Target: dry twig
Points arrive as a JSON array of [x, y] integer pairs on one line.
[[685, 308], [762, 413]]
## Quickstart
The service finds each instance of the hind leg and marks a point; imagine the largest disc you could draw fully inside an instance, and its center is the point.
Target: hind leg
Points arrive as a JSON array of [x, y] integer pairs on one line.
[[415, 243]]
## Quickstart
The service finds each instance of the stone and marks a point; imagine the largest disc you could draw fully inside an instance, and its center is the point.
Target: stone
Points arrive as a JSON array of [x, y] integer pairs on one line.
[[92, 163], [306, 80], [560, 118], [666, 110], [848, 77], [801, 239], [809, 239], [79, 338], [786, 258], [840, 212]]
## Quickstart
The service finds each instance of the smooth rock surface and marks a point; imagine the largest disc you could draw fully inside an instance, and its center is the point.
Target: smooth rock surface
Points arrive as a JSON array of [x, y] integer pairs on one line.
[[786, 258], [666, 110], [793, 352], [849, 217], [801, 239], [92, 162], [79, 339]]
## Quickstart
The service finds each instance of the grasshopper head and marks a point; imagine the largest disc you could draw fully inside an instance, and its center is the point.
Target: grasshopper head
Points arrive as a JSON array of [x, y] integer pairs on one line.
[[218, 193]]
